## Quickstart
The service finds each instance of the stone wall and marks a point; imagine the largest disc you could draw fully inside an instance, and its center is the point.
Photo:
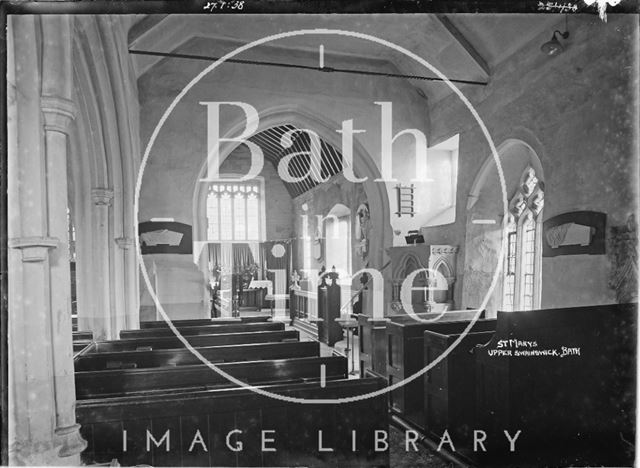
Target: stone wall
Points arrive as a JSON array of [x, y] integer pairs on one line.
[[575, 111], [179, 152]]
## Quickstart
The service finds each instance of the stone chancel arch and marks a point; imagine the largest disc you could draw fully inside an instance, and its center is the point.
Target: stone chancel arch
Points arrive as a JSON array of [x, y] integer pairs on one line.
[[363, 166], [273, 124]]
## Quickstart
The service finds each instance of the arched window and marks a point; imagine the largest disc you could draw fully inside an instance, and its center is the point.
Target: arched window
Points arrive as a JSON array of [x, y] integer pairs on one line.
[[235, 211], [521, 285]]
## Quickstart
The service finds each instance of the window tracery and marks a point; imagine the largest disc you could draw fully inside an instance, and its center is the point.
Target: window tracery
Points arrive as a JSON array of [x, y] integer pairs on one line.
[[521, 275], [234, 211]]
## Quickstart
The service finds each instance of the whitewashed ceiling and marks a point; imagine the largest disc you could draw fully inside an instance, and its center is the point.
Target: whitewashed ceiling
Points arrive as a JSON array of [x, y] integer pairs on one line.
[[462, 46]]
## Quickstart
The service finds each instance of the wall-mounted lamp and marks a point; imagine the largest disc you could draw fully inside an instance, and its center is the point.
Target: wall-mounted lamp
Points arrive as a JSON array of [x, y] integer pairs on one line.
[[554, 47]]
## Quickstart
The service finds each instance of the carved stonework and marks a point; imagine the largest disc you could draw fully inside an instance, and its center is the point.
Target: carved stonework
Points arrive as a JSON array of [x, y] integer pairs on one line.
[[72, 441], [438, 261], [363, 226], [102, 196], [124, 242], [58, 113], [34, 249], [443, 249], [530, 196], [623, 252]]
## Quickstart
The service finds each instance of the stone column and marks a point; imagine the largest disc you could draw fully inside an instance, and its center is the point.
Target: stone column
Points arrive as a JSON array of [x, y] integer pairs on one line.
[[226, 279], [43, 429], [58, 113], [101, 320], [130, 279]]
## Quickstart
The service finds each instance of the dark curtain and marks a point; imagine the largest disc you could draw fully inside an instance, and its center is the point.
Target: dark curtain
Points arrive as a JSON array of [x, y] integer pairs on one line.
[[242, 257], [214, 256], [284, 262]]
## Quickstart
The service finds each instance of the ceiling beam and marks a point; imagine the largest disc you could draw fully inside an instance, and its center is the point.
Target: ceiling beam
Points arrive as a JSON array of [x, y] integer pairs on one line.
[[466, 45]]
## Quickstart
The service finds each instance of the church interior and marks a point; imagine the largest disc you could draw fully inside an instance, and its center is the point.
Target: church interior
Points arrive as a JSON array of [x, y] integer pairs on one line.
[[322, 240]]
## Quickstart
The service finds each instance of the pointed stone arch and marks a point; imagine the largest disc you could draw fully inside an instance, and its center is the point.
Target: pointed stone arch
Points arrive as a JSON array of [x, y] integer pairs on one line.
[[103, 165], [364, 166]]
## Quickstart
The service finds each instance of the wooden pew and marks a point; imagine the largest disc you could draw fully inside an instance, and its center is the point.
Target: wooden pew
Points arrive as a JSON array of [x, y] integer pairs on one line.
[[574, 410], [450, 386], [77, 351], [373, 339], [82, 335], [80, 345], [180, 357], [81, 339], [207, 321], [405, 357], [215, 413], [203, 330], [172, 342], [372, 336], [123, 382]]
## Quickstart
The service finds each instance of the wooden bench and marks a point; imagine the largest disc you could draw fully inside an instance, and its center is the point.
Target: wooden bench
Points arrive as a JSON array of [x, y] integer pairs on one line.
[[123, 382], [450, 385], [181, 357], [82, 335], [372, 336], [575, 410], [203, 330], [81, 339], [213, 414], [373, 339], [207, 321], [173, 342], [405, 357]]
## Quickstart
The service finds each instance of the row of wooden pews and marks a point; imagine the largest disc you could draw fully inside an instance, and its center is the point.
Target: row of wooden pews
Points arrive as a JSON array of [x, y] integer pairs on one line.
[[574, 409], [145, 399], [406, 356], [563, 377], [394, 350]]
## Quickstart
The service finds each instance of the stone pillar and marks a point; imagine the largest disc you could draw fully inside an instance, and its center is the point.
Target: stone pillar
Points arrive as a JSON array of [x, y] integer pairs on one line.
[[58, 114], [43, 429], [130, 279], [100, 319], [226, 279]]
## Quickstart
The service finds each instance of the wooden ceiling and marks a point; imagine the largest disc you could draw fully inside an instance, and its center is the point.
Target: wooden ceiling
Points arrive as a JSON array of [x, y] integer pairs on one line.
[[309, 164]]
